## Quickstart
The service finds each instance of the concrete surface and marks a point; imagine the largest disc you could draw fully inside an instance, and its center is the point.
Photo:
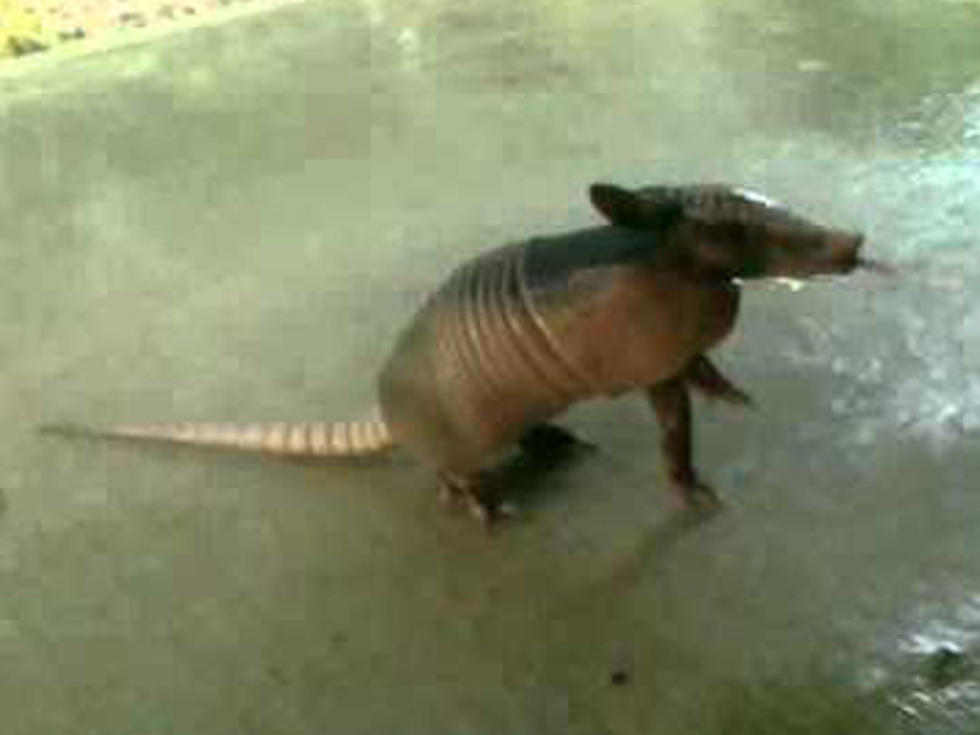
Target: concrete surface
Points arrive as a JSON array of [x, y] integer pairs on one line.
[[232, 223]]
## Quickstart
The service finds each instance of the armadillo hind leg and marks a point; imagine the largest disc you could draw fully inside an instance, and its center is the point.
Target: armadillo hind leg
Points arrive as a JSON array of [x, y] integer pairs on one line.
[[672, 404], [473, 493], [550, 440]]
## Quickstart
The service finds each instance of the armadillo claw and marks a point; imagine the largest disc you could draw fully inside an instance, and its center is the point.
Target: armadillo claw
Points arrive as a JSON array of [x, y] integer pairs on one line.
[[738, 398], [728, 393], [489, 513], [698, 497], [449, 493], [469, 494]]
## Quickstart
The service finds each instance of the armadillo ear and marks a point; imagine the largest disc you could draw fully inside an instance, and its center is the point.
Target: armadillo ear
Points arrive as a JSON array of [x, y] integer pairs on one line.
[[628, 209], [618, 205]]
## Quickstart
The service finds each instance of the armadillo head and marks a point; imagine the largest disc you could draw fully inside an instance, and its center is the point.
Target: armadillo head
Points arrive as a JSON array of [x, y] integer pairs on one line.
[[732, 233]]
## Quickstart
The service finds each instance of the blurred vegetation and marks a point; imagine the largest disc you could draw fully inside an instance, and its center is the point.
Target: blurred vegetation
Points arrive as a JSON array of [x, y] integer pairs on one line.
[[21, 32]]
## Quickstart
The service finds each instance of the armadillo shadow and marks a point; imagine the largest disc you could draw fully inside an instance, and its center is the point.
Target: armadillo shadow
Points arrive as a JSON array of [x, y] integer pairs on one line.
[[531, 479], [546, 473], [644, 561]]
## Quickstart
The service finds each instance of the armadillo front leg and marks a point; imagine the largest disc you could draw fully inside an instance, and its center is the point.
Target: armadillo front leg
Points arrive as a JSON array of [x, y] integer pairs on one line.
[[704, 375], [672, 404]]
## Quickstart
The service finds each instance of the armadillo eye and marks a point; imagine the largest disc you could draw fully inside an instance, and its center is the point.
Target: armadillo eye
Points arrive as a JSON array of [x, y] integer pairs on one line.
[[730, 233]]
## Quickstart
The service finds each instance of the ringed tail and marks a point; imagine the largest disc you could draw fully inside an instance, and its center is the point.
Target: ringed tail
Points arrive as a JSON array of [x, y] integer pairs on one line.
[[329, 439]]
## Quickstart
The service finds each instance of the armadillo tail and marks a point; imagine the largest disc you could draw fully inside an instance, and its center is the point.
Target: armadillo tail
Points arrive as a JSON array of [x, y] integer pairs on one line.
[[331, 439]]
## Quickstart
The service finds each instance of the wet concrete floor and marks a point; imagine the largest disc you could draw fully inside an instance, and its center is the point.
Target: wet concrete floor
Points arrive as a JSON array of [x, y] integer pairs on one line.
[[232, 223]]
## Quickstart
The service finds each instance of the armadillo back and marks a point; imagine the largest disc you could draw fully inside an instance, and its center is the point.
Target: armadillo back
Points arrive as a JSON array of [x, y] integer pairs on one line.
[[477, 364]]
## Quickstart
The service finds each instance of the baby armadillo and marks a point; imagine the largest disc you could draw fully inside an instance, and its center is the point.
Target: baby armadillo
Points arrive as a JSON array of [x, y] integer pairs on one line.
[[516, 335]]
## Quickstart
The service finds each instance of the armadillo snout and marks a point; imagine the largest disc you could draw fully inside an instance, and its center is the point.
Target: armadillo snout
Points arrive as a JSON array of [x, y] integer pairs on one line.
[[842, 251], [824, 252]]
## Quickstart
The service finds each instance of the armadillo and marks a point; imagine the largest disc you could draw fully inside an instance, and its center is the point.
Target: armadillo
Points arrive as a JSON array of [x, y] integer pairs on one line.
[[516, 335]]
